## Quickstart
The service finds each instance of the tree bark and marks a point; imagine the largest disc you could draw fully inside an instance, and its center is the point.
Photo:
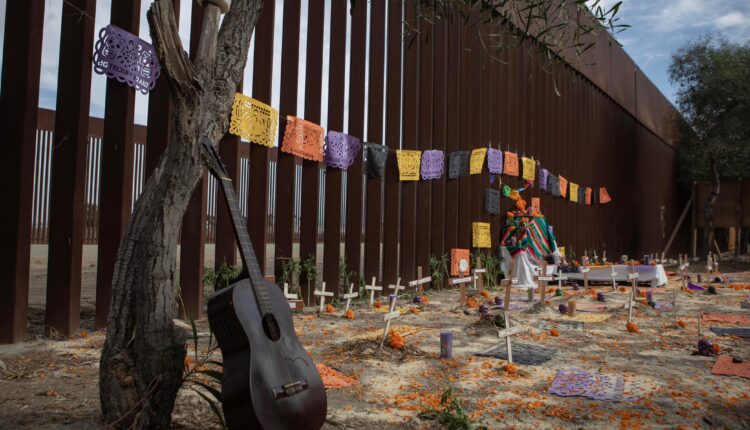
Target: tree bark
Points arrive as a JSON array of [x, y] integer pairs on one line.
[[142, 360], [708, 210]]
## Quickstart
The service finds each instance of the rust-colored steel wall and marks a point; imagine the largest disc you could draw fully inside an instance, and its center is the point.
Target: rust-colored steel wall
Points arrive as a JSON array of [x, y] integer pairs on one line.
[[605, 125]]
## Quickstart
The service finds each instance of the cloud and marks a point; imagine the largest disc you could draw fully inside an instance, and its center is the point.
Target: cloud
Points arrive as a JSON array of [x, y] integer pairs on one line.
[[732, 19]]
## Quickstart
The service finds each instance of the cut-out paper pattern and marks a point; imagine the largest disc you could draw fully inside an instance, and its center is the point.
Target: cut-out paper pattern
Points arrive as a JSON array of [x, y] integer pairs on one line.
[[529, 168], [477, 160], [127, 58], [495, 161], [480, 235], [510, 164], [536, 204], [254, 121], [596, 386], [408, 164], [460, 263], [433, 161], [303, 139], [588, 195], [604, 196], [507, 190], [458, 164], [375, 157], [563, 186], [543, 178], [553, 185], [492, 201], [574, 192], [341, 150]]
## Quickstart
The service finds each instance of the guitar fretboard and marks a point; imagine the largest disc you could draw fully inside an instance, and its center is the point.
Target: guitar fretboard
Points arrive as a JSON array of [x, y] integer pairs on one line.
[[247, 253]]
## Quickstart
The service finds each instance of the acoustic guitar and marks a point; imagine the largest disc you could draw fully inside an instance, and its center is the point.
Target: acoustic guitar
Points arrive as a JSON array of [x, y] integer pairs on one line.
[[270, 382]]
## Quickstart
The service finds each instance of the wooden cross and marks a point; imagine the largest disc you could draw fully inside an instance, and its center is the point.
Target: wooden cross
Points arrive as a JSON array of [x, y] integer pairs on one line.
[[391, 315], [506, 309], [479, 270], [396, 288], [294, 302], [542, 280], [461, 282], [322, 293], [287, 294], [420, 281], [585, 270], [614, 278], [372, 288], [684, 264], [349, 296], [560, 278], [633, 276], [604, 256]]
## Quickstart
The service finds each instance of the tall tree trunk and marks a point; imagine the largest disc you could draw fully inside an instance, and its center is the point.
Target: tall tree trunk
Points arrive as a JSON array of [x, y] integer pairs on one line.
[[708, 210], [142, 360]]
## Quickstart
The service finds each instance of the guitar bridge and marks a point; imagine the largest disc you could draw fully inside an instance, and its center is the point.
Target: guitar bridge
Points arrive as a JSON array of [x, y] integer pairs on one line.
[[290, 389]]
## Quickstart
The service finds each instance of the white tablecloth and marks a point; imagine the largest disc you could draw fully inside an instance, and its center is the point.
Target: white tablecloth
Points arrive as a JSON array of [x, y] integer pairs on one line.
[[524, 269], [655, 275]]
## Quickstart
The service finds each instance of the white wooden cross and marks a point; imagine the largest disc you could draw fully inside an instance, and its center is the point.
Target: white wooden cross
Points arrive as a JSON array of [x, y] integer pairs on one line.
[[633, 276], [294, 302], [614, 278], [462, 283], [419, 282], [372, 288], [287, 294], [604, 256], [349, 296], [396, 288], [478, 273], [391, 315], [323, 294], [684, 264], [542, 280], [585, 270]]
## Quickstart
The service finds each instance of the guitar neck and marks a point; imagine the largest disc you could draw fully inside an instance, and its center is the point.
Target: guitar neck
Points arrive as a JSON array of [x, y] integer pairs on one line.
[[249, 260]]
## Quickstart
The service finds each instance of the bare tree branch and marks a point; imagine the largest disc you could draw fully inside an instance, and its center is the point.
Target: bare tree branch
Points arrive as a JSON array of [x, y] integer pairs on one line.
[[175, 63]]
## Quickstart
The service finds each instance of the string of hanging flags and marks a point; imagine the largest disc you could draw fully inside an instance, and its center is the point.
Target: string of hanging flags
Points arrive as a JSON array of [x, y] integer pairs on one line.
[[257, 122]]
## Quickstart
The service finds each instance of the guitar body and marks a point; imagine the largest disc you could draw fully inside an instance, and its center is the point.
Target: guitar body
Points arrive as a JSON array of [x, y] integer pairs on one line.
[[260, 358]]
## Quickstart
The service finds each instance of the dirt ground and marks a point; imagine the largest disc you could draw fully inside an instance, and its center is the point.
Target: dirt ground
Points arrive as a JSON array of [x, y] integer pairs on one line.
[[50, 384]]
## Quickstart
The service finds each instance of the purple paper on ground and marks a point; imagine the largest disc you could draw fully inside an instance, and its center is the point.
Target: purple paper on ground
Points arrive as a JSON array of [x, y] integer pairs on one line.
[[127, 58], [432, 164], [341, 149], [596, 386], [695, 287], [664, 305], [495, 161]]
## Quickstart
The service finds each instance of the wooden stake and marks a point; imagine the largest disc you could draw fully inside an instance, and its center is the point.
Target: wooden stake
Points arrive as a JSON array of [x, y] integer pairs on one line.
[[542, 280], [585, 270], [372, 288], [392, 314], [634, 278]]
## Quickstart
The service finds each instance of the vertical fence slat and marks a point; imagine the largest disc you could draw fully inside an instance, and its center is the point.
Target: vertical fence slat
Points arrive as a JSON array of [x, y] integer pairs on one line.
[[374, 207], [452, 201], [311, 169], [257, 216], [332, 239], [285, 173], [117, 168], [424, 212], [392, 186], [226, 244], [410, 123], [439, 121], [354, 181], [464, 117], [18, 98], [66, 231]]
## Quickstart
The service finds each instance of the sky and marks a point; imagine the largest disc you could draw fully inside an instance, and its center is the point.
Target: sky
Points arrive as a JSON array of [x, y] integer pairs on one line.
[[658, 29]]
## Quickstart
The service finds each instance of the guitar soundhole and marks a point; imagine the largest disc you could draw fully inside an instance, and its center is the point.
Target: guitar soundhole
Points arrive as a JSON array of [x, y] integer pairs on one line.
[[271, 327]]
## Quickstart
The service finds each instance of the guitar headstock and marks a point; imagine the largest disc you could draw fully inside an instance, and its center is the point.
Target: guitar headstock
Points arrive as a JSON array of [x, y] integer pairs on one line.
[[211, 158]]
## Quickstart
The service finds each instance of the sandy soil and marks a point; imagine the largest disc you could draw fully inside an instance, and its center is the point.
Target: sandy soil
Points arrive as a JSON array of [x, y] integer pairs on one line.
[[51, 384]]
